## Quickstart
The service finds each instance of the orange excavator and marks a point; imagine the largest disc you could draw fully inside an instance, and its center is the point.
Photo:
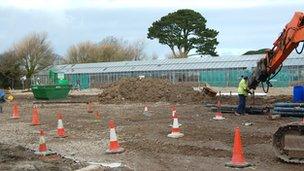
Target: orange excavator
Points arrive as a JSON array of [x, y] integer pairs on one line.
[[288, 141]]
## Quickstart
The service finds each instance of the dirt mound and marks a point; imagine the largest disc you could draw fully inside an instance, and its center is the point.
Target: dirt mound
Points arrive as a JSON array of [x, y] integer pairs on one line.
[[149, 90]]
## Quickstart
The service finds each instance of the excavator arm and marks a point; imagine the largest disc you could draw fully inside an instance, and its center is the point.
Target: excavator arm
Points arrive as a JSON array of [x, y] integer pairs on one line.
[[290, 38], [288, 139]]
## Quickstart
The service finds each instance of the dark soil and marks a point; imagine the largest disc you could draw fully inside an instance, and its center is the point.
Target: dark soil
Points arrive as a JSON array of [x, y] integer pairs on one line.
[[149, 90], [20, 158]]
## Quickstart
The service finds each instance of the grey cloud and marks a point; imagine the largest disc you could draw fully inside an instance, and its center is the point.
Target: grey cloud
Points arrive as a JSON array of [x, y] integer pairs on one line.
[[239, 29]]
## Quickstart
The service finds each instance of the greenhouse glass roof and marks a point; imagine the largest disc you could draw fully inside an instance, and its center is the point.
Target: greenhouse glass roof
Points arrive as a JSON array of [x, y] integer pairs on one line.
[[194, 63]]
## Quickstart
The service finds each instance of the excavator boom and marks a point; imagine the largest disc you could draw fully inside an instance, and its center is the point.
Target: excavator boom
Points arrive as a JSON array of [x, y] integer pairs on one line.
[[290, 38]]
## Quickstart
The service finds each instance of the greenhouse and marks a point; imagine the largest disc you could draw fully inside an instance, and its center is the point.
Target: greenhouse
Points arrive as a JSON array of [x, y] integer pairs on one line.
[[215, 71]]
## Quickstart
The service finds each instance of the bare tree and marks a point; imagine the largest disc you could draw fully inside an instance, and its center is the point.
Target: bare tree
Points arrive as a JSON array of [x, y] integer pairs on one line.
[[112, 49], [35, 52], [109, 49], [137, 50], [83, 52]]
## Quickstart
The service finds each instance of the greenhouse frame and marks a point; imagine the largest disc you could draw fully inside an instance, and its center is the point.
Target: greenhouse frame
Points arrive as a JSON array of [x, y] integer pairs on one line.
[[215, 71]]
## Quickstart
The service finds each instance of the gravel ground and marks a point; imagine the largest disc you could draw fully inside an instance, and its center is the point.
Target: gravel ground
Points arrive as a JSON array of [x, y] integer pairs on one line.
[[205, 146]]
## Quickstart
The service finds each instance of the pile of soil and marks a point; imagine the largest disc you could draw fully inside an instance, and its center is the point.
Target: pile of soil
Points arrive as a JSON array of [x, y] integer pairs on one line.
[[149, 90]]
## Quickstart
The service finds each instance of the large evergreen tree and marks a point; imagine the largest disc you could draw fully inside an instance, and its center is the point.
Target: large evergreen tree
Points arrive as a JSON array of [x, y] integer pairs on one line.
[[183, 31]]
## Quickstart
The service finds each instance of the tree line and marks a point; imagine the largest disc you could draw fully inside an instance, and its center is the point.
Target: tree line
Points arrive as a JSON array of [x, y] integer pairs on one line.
[[34, 53], [183, 31]]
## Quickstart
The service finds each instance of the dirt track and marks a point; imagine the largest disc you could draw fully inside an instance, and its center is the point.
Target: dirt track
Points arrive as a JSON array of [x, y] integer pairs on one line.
[[205, 146]]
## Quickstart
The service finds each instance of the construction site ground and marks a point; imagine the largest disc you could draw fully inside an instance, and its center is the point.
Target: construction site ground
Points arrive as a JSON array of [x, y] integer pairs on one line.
[[207, 144]]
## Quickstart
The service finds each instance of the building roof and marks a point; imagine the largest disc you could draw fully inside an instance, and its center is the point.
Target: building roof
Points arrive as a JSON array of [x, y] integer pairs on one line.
[[193, 63]]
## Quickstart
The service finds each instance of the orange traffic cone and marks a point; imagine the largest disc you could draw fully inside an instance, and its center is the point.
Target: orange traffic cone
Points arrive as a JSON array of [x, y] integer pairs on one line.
[[42, 149], [146, 111], [35, 116], [16, 112], [238, 159], [175, 131], [114, 146], [89, 107], [60, 128], [218, 114]]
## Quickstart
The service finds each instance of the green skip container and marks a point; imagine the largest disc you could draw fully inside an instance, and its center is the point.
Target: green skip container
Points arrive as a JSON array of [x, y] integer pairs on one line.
[[51, 92]]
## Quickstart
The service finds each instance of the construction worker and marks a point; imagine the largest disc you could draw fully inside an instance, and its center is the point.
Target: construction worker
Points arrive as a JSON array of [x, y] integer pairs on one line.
[[243, 91]]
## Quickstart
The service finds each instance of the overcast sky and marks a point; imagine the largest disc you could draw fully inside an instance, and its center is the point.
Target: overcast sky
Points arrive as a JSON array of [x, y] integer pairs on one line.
[[243, 24]]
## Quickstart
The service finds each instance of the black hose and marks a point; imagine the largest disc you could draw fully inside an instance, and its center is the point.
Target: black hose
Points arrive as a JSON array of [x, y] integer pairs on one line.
[[275, 74], [268, 84]]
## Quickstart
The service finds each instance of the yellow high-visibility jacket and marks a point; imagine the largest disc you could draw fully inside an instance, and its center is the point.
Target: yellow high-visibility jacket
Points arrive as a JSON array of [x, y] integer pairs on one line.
[[243, 87]]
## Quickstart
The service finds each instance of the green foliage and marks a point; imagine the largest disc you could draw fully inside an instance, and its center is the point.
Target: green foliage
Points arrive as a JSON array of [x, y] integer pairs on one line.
[[183, 31], [255, 52]]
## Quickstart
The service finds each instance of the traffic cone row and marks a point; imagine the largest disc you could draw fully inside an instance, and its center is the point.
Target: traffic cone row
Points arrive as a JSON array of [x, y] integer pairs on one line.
[[114, 146], [42, 149], [237, 160]]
